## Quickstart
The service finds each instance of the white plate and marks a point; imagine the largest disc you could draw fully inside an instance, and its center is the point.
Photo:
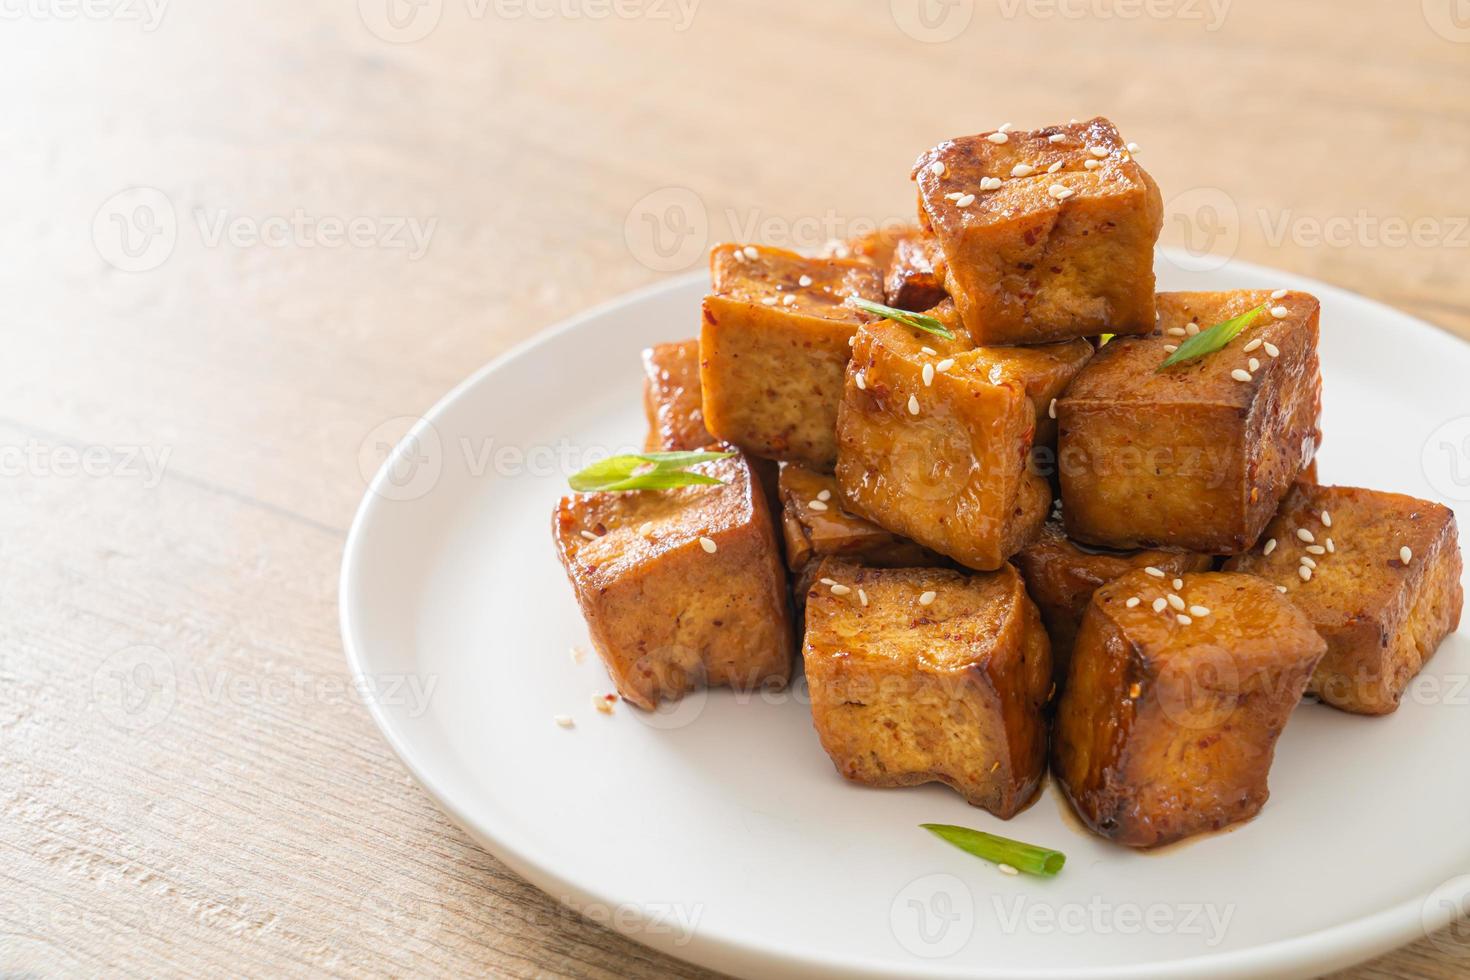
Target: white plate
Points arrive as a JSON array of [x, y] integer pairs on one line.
[[720, 832]]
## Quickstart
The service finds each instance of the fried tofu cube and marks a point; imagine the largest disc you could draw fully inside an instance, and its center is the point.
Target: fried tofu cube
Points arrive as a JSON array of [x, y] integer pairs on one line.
[[915, 278], [680, 588], [1170, 716], [934, 442], [1046, 235], [1383, 617], [672, 398], [922, 675], [773, 348], [1195, 456], [1061, 576], [816, 527]]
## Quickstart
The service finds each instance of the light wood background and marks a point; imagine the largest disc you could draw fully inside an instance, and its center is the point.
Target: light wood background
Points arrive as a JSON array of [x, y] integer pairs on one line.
[[186, 787]]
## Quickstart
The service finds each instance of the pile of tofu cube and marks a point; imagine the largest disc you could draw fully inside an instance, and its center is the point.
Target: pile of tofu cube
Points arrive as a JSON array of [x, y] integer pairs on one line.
[[1027, 543]]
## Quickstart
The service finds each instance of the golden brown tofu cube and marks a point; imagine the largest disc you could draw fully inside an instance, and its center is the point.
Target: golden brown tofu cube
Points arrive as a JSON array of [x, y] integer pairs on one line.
[[672, 398], [1061, 576], [1168, 725], [816, 526], [680, 588], [907, 691], [1195, 456], [915, 279], [934, 442], [1382, 617], [1046, 235], [773, 349]]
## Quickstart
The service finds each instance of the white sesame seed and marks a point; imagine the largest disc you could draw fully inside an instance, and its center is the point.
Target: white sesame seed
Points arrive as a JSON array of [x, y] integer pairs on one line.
[[1006, 869], [930, 351], [928, 375], [788, 299], [964, 200], [1240, 375], [1132, 601], [1156, 573], [1057, 138], [1280, 588], [588, 535], [1200, 611], [1307, 561], [1305, 535], [564, 721], [1004, 128], [1176, 602], [1160, 604], [750, 252], [990, 183], [1326, 519], [1280, 312], [709, 546], [1272, 349], [1051, 410], [1178, 584], [862, 597], [604, 702], [769, 301], [1171, 348], [954, 195], [858, 380], [1270, 547], [945, 364], [1022, 170], [1072, 122], [827, 581], [913, 405], [645, 529], [841, 589], [999, 139], [1279, 294], [1406, 554], [1098, 151], [1252, 345], [816, 505], [1253, 365], [1132, 147], [1183, 619], [928, 597], [937, 168], [804, 281], [1055, 167], [825, 495], [1316, 549], [1091, 164], [1191, 328], [1331, 548], [1304, 572], [1175, 331], [1059, 191]]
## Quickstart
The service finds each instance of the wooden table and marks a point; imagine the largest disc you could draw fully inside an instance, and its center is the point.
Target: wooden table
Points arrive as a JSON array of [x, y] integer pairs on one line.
[[216, 303]]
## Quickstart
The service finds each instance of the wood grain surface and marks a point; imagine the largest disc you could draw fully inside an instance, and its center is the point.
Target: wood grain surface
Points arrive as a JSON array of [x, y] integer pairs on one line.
[[241, 239]]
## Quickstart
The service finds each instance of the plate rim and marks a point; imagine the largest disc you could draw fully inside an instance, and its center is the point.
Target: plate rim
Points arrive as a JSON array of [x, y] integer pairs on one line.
[[1334, 947]]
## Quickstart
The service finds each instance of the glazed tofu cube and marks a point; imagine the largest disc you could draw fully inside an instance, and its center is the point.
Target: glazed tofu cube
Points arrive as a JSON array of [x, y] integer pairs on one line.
[[1382, 616], [923, 675], [1170, 715], [1061, 576], [1198, 455], [915, 279], [934, 444], [773, 349], [680, 588], [672, 398], [1046, 235], [816, 526]]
